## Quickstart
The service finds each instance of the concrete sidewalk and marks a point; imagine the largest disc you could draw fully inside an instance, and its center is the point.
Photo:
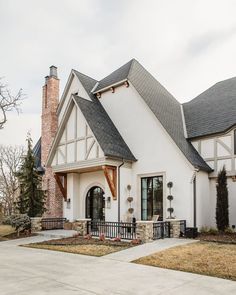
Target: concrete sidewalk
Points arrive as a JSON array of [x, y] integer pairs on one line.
[[146, 249], [26, 271]]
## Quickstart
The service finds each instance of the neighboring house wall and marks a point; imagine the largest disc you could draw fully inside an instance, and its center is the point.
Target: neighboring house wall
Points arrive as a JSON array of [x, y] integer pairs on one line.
[[156, 152]]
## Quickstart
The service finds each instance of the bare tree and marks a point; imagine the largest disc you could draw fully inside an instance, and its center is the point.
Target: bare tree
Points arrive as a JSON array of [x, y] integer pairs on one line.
[[8, 102], [10, 160]]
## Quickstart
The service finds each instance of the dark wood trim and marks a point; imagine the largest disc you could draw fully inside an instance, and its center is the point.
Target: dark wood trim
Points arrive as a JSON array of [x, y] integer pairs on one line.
[[62, 185], [110, 173]]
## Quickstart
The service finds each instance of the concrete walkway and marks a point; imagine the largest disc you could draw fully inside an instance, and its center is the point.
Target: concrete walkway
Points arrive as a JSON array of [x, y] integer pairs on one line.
[[25, 271], [147, 249], [57, 233]]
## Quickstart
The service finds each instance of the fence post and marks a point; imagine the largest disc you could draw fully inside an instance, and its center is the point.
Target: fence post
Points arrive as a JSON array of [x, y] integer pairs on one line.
[[174, 228], [144, 231], [36, 224], [81, 226]]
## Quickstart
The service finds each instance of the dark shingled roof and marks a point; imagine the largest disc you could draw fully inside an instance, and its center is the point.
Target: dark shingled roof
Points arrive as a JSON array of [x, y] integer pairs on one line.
[[107, 135], [164, 106], [212, 111], [116, 76], [104, 130], [167, 110]]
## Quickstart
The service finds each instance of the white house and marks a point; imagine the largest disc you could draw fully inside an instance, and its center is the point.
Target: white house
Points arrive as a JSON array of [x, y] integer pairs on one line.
[[127, 136]]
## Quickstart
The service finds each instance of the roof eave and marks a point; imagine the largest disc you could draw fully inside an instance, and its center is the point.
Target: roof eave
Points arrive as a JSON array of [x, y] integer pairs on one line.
[[108, 87]]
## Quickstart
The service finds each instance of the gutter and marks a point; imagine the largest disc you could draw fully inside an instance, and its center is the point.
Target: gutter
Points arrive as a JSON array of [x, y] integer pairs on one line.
[[109, 86]]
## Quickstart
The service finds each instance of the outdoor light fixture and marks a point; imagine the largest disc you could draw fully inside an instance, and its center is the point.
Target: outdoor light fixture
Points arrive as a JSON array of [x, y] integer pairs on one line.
[[108, 202], [68, 201]]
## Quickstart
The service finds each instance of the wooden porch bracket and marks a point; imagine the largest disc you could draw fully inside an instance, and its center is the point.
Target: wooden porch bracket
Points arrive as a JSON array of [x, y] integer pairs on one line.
[[61, 179], [110, 173]]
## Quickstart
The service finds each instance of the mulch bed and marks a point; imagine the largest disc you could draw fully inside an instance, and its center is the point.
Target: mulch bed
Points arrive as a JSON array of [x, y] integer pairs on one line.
[[80, 245], [83, 241], [229, 238]]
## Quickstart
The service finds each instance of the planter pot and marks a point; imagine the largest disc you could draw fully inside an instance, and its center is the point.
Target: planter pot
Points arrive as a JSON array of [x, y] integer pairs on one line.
[[131, 210]]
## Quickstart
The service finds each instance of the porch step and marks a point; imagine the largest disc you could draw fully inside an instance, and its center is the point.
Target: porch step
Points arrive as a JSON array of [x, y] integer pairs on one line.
[[57, 233]]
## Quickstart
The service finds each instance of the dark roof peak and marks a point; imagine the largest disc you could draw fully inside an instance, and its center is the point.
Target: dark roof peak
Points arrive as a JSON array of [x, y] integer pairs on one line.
[[213, 111]]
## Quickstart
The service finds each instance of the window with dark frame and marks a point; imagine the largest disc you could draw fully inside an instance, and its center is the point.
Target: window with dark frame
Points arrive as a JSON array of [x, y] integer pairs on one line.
[[151, 197]]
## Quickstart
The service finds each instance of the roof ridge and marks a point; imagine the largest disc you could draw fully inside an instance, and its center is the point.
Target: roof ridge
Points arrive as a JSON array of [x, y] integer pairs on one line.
[[84, 75]]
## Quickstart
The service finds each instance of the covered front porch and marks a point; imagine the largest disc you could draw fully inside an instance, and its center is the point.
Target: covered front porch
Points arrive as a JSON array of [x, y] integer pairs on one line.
[[89, 192]]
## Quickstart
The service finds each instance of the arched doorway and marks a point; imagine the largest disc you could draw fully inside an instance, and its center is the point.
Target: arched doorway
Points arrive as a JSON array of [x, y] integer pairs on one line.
[[95, 204]]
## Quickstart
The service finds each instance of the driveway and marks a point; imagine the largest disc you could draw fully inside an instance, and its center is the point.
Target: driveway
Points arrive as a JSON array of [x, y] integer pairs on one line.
[[26, 271]]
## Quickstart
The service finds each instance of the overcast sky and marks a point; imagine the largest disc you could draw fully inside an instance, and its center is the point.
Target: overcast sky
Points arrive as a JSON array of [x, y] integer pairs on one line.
[[188, 45]]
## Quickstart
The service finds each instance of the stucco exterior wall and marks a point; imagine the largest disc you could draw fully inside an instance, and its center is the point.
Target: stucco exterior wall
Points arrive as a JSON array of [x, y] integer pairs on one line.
[[204, 216], [156, 152]]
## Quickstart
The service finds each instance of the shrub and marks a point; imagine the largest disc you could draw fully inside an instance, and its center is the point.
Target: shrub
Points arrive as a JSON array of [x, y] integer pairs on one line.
[[222, 203], [20, 222], [229, 230], [208, 230]]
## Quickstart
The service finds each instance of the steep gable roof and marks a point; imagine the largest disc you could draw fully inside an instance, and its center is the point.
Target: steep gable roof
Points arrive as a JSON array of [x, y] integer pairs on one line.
[[107, 135], [167, 110], [213, 111], [164, 106], [116, 76]]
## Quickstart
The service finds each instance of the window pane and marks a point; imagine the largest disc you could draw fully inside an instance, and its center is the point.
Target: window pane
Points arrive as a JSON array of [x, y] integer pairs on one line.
[[152, 197]]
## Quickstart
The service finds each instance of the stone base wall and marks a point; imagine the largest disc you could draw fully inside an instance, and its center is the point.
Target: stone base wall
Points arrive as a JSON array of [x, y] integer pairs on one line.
[[36, 224], [174, 228], [81, 226], [144, 231]]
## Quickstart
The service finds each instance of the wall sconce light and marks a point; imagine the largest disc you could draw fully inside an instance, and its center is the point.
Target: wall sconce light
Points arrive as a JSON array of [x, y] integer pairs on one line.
[[68, 201], [108, 202]]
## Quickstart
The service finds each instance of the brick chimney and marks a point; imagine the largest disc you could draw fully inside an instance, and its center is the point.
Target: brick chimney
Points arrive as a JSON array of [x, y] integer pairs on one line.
[[49, 124]]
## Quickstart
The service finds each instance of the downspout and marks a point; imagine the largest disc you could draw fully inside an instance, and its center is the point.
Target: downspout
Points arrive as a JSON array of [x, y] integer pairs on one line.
[[194, 202], [118, 186], [195, 198]]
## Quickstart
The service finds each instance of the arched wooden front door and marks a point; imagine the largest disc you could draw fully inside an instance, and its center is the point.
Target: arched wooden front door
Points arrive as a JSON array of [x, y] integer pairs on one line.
[[95, 204]]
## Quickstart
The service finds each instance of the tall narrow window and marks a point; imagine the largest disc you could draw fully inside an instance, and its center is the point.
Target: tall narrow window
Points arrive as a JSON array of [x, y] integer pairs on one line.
[[152, 197]]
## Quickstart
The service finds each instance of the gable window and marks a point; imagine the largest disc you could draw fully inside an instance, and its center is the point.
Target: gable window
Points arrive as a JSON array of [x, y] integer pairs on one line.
[[151, 197]]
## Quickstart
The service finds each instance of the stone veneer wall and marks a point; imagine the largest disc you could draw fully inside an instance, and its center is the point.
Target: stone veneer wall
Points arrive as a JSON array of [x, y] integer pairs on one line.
[[54, 202]]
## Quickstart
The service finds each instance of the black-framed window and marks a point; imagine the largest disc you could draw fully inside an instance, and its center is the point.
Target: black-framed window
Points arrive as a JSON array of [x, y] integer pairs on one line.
[[151, 197]]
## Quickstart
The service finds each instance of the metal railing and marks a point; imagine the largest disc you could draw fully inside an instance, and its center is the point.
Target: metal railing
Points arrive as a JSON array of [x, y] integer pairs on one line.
[[52, 223], [182, 228], [124, 230], [161, 230]]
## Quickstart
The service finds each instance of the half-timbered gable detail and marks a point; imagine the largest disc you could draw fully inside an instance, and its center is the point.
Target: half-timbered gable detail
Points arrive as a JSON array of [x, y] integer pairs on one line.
[[218, 151], [76, 142]]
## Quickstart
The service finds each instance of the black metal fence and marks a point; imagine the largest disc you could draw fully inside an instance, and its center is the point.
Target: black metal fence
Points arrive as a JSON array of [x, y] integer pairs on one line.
[[182, 228], [52, 223], [161, 230], [124, 230]]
